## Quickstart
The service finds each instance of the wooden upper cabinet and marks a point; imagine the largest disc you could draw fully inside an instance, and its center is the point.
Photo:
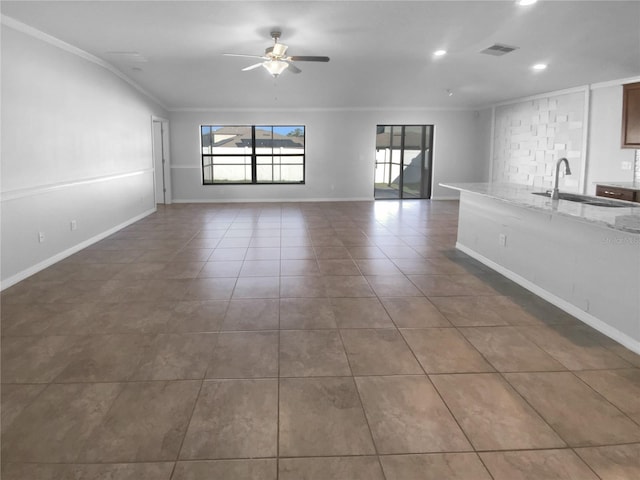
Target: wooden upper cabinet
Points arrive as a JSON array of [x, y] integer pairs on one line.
[[631, 115]]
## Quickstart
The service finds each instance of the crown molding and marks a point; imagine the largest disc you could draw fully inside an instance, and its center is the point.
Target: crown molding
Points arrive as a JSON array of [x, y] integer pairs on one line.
[[581, 89], [615, 83], [318, 109], [67, 47]]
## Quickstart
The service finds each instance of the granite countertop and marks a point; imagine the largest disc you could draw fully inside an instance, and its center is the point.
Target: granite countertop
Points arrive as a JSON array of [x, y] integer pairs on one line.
[[626, 219], [628, 185]]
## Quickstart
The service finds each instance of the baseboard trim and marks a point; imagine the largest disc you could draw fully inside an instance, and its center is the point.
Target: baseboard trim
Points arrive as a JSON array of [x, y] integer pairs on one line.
[[298, 200], [602, 327], [270, 200], [18, 277], [446, 197]]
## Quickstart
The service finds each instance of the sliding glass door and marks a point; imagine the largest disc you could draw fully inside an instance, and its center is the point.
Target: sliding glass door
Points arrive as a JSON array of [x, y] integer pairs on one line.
[[403, 161]]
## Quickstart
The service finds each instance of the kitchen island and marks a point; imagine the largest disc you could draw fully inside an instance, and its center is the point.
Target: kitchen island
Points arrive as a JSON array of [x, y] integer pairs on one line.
[[583, 258]]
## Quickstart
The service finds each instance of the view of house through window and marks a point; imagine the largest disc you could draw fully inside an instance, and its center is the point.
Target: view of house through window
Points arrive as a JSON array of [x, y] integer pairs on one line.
[[252, 154], [403, 161]]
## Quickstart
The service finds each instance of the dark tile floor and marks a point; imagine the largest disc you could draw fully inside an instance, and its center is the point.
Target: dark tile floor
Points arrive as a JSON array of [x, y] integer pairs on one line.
[[304, 341]]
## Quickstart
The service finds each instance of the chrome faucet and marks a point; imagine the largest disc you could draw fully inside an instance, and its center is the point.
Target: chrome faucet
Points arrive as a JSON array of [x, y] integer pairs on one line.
[[555, 193]]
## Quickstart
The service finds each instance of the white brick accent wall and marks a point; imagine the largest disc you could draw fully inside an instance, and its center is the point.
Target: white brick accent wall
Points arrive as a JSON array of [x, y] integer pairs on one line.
[[531, 135]]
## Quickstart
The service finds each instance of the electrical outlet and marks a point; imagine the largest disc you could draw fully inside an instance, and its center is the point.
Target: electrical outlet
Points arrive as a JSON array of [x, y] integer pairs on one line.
[[626, 166], [40, 237], [74, 225], [502, 240]]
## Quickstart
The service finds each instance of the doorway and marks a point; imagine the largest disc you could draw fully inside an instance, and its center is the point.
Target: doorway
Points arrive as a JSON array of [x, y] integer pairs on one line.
[[162, 167], [403, 161]]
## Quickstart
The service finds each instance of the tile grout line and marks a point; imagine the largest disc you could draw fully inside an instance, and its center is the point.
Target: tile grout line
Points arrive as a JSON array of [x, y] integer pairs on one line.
[[351, 376], [278, 359], [601, 396], [364, 412], [440, 397], [195, 403]]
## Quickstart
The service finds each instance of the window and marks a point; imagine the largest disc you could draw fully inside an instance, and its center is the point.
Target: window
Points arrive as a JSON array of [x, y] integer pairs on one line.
[[241, 154]]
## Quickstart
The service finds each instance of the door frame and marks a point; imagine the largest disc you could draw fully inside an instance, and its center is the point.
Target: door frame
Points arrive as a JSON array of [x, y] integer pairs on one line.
[[161, 160], [426, 165]]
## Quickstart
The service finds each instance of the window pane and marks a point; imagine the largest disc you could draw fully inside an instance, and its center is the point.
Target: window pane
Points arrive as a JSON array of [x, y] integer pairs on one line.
[[395, 175], [228, 153], [292, 173], [294, 136], [280, 140], [413, 137], [265, 174], [205, 134], [280, 173], [383, 137], [208, 174], [277, 160], [231, 160], [396, 136], [264, 140], [231, 140], [232, 173], [297, 160]]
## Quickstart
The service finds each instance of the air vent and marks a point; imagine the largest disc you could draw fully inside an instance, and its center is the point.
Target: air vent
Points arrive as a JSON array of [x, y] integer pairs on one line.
[[498, 49]]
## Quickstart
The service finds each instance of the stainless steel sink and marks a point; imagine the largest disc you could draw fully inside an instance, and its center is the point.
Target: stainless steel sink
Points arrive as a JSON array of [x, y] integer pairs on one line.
[[588, 200]]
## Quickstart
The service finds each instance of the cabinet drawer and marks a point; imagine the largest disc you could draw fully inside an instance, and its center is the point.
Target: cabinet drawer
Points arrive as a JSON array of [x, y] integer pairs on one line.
[[613, 192]]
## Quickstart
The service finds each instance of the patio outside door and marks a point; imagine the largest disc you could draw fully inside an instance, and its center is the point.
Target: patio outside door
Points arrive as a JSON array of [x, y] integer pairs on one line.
[[403, 161]]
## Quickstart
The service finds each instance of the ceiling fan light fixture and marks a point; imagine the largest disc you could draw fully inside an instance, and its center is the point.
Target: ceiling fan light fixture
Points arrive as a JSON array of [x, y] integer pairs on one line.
[[275, 61], [275, 67], [277, 51]]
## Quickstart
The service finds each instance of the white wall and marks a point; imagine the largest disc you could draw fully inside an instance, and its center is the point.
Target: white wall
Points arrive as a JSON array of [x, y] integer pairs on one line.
[[340, 152], [606, 159], [76, 145]]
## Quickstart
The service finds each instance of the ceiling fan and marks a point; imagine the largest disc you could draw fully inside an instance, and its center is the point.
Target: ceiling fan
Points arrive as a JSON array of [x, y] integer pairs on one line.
[[275, 60]]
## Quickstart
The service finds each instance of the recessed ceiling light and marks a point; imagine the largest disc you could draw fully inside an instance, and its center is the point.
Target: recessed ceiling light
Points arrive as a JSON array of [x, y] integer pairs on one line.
[[538, 67], [449, 92], [439, 53], [525, 3]]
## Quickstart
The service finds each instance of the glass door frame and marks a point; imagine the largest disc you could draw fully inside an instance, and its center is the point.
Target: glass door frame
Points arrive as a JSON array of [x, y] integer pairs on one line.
[[426, 164]]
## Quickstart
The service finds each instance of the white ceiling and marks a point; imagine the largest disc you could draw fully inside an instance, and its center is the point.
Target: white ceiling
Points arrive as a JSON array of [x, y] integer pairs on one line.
[[381, 51]]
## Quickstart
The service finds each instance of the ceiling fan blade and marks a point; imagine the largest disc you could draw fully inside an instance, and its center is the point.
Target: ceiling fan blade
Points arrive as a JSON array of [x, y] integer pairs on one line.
[[309, 59], [242, 55], [293, 69], [251, 67]]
